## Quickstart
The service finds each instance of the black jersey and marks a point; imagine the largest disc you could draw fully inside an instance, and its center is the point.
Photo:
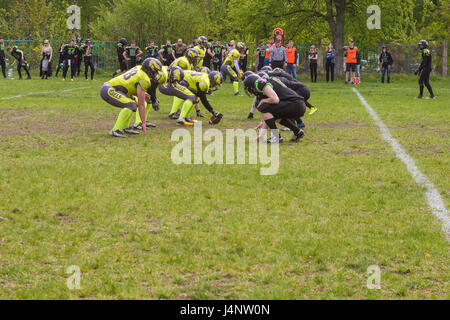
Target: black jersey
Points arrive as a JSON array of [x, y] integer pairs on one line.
[[120, 51], [282, 91], [426, 60], [301, 89], [70, 52], [2, 51]]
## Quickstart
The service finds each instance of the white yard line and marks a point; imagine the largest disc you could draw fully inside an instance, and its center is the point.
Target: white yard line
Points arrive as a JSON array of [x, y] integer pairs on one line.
[[41, 93], [434, 198]]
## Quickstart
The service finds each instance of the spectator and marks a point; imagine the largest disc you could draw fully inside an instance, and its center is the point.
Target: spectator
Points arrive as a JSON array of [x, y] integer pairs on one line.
[[351, 61], [218, 50], [46, 61], [88, 64], [167, 54], [261, 52], [209, 54], [278, 56], [330, 61], [231, 46], [292, 59], [3, 57], [69, 60], [386, 62], [244, 58], [61, 59], [131, 54], [20, 60], [313, 56], [268, 47], [152, 50], [179, 48]]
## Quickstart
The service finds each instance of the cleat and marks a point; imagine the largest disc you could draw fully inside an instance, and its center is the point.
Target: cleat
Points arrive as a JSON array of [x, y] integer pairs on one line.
[[188, 119], [431, 97], [130, 131], [298, 136], [117, 134], [138, 127], [173, 116], [183, 122], [250, 116], [274, 140], [420, 97], [150, 125], [237, 94], [285, 129], [312, 111]]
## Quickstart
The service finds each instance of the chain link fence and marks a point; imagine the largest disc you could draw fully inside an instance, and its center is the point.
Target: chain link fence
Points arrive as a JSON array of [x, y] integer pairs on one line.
[[406, 57]]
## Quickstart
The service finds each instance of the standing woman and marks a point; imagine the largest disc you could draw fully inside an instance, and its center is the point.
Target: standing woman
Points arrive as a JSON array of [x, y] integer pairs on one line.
[[313, 55], [47, 55], [330, 61]]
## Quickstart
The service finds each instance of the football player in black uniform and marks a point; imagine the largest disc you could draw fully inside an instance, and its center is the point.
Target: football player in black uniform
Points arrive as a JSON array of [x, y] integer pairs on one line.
[[425, 69], [122, 62]]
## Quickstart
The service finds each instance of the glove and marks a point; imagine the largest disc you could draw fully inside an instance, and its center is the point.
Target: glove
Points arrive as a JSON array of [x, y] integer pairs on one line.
[[216, 118], [416, 72], [156, 105], [241, 73]]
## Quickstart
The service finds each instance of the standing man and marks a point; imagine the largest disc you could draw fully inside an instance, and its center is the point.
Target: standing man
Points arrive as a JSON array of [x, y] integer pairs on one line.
[[167, 54], [152, 50], [179, 48], [201, 48], [278, 56], [20, 60], [88, 60], [261, 52], [79, 55], [131, 54], [218, 50], [244, 57], [330, 61], [386, 62], [351, 53], [268, 47], [425, 69], [209, 54], [70, 52], [230, 67], [122, 61], [292, 59], [3, 57]]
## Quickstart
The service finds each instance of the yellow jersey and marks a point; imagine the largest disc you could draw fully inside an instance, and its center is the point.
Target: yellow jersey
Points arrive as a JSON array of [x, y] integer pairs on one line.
[[201, 55], [198, 81], [131, 79], [183, 63], [232, 57]]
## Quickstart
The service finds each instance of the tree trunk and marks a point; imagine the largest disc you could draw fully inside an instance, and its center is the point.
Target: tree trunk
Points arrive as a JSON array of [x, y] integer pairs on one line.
[[337, 30], [444, 57]]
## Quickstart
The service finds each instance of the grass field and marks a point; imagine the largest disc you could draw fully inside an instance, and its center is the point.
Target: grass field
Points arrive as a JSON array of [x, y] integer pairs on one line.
[[140, 227]]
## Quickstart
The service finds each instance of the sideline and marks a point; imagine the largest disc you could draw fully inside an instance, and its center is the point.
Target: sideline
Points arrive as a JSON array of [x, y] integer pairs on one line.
[[434, 198], [41, 93]]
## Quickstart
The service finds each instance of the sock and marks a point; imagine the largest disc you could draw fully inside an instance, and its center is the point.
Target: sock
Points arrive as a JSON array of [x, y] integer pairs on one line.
[[177, 102], [271, 124], [122, 119], [188, 105], [289, 124], [236, 86], [421, 90]]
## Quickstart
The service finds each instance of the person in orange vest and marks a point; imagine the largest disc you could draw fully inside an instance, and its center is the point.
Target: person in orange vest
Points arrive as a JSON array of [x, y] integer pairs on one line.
[[351, 54], [268, 47], [292, 59]]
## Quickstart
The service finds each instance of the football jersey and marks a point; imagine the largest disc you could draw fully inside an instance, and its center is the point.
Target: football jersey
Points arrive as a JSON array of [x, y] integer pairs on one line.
[[17, 55], [132, 52], [131, 79], [201, 55], [232, 57], [282, 91], [183, 63], [198, 81]]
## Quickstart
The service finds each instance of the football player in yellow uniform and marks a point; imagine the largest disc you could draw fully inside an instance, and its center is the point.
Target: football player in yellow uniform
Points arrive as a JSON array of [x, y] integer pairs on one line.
[[231, 68], [201, 49], [122, 91], [160, 79], [189, 87]]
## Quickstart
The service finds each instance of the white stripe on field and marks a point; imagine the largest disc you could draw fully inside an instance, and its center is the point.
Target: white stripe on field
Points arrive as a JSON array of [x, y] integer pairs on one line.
[[41, 93], [434, 198]]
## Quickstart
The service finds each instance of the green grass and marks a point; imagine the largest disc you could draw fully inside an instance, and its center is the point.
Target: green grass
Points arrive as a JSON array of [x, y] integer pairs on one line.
[[140, 227]]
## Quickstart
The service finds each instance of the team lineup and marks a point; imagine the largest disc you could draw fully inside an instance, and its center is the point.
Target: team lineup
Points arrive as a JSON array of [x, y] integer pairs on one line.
[[277, 95]]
